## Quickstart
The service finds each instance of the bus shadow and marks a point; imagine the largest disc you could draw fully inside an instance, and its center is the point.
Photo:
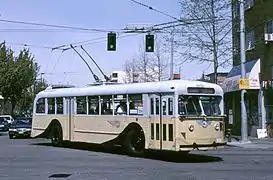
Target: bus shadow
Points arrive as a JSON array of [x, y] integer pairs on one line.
[[176, 157]]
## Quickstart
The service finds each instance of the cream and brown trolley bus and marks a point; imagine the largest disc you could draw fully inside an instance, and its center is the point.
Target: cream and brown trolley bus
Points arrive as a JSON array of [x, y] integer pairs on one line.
[[176, 115]]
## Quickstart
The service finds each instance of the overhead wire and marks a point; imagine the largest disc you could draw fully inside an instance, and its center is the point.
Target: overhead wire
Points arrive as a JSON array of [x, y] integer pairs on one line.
[[153, 9], [28, 45], [55, 26], [45, 30]]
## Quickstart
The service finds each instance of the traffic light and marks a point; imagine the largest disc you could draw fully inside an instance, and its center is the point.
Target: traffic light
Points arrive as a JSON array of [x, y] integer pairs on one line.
[[111, 41], [149, 43]]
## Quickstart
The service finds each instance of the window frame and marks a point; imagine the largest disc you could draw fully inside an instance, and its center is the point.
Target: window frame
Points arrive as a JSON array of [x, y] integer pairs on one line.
[[268, 27], [250, 40], [45, 106], [76, 109], [248, 4]]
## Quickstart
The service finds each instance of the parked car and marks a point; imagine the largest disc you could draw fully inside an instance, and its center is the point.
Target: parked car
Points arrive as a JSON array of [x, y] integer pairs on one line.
[[21, 127], [8, 118], [4, 125]]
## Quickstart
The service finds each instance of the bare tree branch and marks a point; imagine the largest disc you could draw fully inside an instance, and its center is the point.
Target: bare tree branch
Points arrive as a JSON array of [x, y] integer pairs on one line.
[[209, 41]]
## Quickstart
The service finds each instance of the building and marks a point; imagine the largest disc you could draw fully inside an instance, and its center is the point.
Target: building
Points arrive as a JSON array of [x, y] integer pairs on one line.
[[259, 63], [119, 77], [134, 77], [221, 76]]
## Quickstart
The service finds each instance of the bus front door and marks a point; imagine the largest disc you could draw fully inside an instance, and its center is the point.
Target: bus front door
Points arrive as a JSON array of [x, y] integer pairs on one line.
[[70, 117], [162, 122]]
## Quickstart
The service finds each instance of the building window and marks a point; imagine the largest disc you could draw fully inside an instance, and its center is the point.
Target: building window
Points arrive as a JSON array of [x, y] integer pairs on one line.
[[115, 75], [237, 44], [236, 9], [250, 40], [249, 4], [269, 27]]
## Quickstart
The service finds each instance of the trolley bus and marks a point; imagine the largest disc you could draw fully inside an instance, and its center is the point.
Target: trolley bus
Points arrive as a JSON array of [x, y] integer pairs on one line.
[[174, 115]]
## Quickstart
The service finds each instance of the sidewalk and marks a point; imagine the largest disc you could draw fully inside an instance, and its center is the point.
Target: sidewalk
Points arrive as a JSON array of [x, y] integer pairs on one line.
[[255, 143]]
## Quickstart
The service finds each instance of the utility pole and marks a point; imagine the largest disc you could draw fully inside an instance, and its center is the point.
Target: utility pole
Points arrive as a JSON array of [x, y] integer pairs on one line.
[[244, 131], [172, 51], [42, 77]]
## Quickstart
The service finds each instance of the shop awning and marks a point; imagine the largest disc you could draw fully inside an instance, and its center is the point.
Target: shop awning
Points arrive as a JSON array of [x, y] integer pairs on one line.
[[252, 68]]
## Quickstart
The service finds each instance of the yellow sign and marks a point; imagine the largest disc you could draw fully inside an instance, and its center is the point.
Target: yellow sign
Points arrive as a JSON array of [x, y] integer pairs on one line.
[[244, 83]]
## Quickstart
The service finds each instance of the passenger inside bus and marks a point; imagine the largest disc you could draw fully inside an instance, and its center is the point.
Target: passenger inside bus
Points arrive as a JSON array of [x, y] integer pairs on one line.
[[121, 108]]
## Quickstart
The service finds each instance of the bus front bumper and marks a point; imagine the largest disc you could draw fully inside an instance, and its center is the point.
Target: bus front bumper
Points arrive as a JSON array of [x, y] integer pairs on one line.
[[201, 147]]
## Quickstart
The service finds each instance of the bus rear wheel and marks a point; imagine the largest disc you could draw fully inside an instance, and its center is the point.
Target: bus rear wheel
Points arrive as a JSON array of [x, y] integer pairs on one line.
[[135, 142], [56, 136]]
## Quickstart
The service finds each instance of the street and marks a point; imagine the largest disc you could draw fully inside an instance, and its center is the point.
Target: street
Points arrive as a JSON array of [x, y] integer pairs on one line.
[[37, 159]]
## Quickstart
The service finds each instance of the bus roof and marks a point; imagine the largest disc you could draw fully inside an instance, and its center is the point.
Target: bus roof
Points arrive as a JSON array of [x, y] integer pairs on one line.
[[179, 86]]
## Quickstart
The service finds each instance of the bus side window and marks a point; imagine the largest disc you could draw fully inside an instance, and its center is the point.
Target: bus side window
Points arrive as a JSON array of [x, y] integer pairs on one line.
[[164, 107], [170, 106], [120, 104], [40, 105], [152, 106], [181, 107], [81, 105], [51, 105], [93, 105], [157, 106], [60, 106], [136, 104], [106, 105]]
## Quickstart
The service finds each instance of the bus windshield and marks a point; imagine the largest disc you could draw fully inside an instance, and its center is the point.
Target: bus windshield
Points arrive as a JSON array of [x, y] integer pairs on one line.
[[199, 105]]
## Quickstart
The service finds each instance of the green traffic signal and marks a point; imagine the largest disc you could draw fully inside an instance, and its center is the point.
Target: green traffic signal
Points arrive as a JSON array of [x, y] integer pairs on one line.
[[149, 43], [111, 41]]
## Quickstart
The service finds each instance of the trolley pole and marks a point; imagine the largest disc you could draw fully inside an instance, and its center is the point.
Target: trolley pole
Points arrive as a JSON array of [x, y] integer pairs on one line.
[[244, 132], [172, 51]]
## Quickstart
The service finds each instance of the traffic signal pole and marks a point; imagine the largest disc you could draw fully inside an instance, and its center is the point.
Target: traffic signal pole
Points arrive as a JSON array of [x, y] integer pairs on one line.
[[244, 131]]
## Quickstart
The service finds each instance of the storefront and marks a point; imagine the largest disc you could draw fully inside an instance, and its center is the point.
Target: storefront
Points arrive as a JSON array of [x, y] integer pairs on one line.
[[233, 97]]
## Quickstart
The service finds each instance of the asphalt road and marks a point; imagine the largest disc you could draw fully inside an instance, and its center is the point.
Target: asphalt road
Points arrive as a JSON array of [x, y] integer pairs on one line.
[[35, 159]]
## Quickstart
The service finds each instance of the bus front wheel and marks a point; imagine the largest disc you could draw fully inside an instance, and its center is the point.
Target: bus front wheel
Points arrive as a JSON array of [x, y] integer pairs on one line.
[[56, 136], [135, 142]]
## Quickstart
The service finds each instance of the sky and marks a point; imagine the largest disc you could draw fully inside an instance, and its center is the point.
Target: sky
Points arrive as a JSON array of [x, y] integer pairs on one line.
[[67, 67]]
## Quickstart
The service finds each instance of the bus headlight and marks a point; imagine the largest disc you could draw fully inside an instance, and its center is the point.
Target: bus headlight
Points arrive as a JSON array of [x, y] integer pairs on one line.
[[191, 127], [217, 127]]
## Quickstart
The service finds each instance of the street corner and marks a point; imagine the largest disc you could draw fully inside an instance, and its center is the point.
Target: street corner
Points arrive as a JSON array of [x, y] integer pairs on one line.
[[253, 143]]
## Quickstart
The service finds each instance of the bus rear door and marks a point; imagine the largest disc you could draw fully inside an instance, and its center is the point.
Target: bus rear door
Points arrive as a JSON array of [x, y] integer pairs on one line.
[[162, 122], [70, 117]]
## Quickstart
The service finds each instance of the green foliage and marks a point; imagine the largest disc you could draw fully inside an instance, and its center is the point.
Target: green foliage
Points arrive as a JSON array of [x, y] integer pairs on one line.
[[26, 101], [17, 75]]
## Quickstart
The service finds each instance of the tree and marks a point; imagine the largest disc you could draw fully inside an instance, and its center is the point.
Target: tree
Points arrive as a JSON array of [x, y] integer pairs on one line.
[[6, 58], [17, 74], [208, 41], [26, 101], [147, 66]]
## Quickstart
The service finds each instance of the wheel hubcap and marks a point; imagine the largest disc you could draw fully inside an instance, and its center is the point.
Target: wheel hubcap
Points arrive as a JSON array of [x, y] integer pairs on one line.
[[136, 142]]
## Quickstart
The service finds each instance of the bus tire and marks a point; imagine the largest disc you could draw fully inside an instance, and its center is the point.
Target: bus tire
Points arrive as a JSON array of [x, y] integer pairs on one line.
[[56, 136], [134, 142]]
